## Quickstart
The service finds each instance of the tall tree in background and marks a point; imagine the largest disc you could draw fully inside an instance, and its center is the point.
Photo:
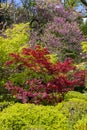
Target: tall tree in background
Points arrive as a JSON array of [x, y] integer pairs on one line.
[[6, 14]]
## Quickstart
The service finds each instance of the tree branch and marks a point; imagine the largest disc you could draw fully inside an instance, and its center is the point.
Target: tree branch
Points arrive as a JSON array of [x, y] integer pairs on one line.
[[84, 2]]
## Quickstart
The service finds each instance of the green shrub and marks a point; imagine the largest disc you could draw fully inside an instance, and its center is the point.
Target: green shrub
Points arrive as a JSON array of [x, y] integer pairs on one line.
[[74, 110], [19, 77], [73, 94], [4, 96], [16, 39], [53, 58], [49, 78], [84, 54], [4, 105], [84, 28], [84, 46], [27, 116], [65, 116], [81, 124]]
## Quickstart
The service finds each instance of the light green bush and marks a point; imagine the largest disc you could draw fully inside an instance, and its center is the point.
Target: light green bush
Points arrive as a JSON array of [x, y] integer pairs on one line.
[[81, 124], [16, 38], [27, 116], [74, 94], [84, 46], [54, 58], [65, 116], [74, 109]]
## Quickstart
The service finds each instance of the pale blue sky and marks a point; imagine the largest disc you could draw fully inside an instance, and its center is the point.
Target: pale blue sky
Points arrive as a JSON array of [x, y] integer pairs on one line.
[[79, 8]]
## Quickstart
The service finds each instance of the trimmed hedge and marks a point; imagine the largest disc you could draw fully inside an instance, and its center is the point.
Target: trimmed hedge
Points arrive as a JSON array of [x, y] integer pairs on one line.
[[27, 116], [64, 116]]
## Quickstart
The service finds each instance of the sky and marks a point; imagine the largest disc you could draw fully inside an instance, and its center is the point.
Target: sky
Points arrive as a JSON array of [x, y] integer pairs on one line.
[[80, 8]]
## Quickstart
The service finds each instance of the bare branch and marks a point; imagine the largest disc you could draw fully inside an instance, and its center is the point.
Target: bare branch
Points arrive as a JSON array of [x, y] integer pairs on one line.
[[84, 2]]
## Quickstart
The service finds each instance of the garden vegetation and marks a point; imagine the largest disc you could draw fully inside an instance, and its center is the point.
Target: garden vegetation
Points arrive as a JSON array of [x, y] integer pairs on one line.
[[43, 69]]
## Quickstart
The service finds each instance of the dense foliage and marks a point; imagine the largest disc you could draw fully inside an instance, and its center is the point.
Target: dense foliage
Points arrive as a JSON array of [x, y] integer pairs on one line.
[[66, 115], [62, 77], [61, 35], [13, 40], [29, 116], [5, 19], [4, 105], [81, 124], [84, 46], [74, 94], [42, 60], [84, 28], [74, 110]]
